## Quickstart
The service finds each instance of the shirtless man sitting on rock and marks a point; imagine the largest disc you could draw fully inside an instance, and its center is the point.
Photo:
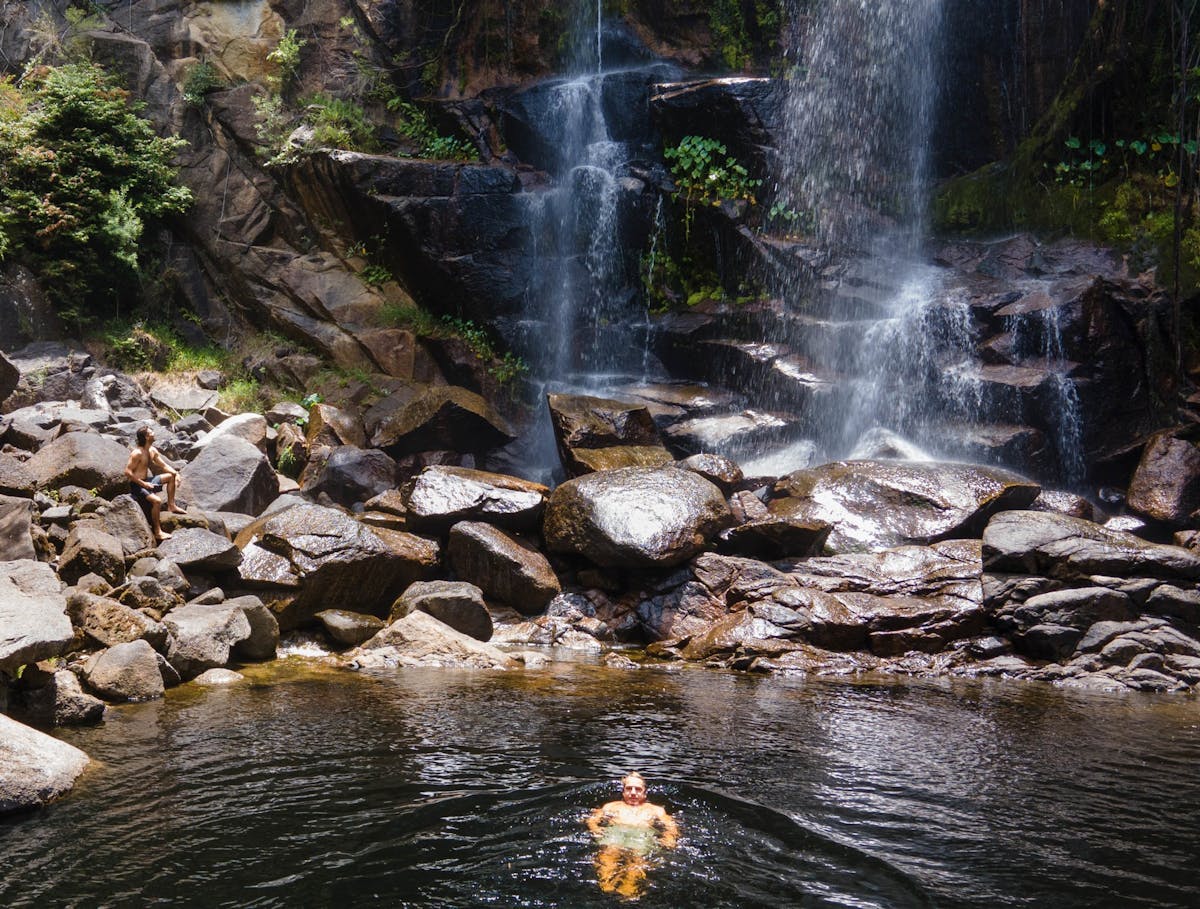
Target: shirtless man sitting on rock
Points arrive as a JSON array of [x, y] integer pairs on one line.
[[628, 831], [145, 486]]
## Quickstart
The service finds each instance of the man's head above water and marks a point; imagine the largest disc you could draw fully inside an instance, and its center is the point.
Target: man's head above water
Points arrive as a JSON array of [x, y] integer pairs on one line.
[[633, 789]]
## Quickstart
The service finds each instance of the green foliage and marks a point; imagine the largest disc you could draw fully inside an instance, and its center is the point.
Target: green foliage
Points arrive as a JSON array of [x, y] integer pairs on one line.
[[375, 275], [201, 79], [80, 173], [706, 174], [138, 346], [243, 394], [287, 462], [274, 127], [286, 56], [704, 171], [1096, 161], [414, 124], [339, 123]]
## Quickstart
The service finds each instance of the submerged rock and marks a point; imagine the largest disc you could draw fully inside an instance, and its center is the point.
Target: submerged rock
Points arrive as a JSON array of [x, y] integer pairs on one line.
[[34, 767], [883, 504], [635, 517]]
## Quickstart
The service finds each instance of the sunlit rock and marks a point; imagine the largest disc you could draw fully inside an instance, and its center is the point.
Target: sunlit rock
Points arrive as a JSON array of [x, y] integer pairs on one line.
[[635, 517], [883, 504]]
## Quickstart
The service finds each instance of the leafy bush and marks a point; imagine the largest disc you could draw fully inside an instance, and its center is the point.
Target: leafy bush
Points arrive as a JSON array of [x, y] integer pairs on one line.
[[704, 171], [414, 124], [338, 123], [80, 173], [286, 56], [201, 79]]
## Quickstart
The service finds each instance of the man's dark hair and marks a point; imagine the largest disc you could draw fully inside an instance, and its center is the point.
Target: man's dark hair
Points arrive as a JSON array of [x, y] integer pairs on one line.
[[143, 434]]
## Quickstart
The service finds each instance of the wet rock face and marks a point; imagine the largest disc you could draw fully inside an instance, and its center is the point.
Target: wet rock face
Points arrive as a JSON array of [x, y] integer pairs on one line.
[[882, 504], [602, 434], [1166, 483], [635, 517], [439, 497], [446, 418], [1059, 546], [506, 568]]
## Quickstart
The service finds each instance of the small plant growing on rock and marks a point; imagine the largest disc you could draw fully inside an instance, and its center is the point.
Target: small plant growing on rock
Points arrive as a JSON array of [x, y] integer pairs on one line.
[[202, 78], [286, 56]]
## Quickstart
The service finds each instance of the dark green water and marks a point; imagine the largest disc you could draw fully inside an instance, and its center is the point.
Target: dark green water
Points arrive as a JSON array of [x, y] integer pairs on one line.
[[444, 788]]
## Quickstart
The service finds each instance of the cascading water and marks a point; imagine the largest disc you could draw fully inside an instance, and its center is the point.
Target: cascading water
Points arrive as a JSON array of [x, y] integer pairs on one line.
[[582, 330], [888, 333]]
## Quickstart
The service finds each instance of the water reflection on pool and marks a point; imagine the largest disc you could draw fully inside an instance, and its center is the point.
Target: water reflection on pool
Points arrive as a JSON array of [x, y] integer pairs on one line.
[[446, 788]]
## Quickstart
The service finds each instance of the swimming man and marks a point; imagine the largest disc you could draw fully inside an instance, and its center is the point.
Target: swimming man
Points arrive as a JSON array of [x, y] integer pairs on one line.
[[628, 831]]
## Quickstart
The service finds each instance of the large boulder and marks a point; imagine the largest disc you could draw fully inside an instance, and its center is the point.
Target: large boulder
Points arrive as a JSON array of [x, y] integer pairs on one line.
[[16, 529], [89, 550], [635, 517], [504, 567], [125, 672], [439, 497], [207, 636], [15, 478], [349, 628], [329, 425], [445, 418], [81, 459], [52, 697], [329, 559], [250, 427], [591, 433], [33, 614], [1166, 483], [34, 767], [1059, 546], [457, 603], [9, 376], [874, 505], [230, 475], [419, 639]]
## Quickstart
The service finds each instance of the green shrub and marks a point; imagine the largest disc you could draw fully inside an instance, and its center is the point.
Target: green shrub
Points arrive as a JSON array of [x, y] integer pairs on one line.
[[80, 174], [286, 56], [414, 124], [201, 79], [338, 123]]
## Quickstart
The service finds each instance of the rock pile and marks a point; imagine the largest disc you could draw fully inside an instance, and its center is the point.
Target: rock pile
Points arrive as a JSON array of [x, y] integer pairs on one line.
[[847, 567]]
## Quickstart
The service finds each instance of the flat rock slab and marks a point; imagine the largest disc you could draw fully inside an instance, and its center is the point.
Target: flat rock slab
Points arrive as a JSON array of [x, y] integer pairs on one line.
[[196, 549], [875, 505], [439, 497], [635, 517], [33, 614], [183, 397], [1059, 546], [34, 767]]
